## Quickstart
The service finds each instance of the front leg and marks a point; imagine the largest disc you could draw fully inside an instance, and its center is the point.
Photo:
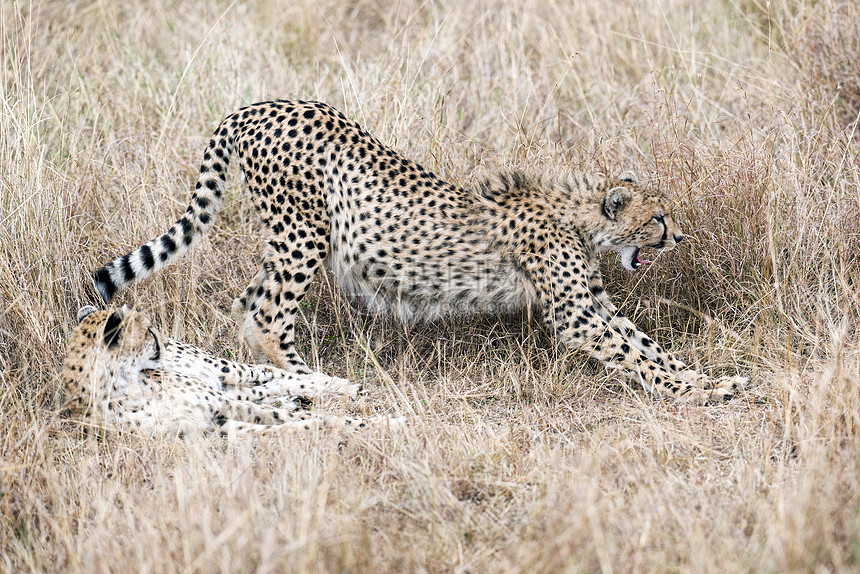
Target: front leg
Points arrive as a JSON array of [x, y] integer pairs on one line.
[[194, 363], [298, 422], [311, 385], [250, 412], [580, 314], [648, 346], [613, 316], [606, 343], [277, 382]]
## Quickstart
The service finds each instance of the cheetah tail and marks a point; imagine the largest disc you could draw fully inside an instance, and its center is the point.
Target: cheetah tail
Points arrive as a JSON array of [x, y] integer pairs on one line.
[[185, 233]]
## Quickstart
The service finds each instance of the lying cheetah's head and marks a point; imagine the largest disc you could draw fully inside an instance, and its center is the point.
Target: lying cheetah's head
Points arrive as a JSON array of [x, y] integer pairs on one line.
[[630, 216], [105, 345]]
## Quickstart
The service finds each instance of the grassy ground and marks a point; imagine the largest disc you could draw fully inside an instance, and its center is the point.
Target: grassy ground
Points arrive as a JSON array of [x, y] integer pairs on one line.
[[519, 456]]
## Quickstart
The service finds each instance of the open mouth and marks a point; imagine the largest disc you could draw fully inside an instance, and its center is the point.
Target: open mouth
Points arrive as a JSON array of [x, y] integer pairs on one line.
[[631, 259]]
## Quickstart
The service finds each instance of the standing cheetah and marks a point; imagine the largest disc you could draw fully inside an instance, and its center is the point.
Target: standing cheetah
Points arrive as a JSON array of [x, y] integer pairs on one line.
[[414, 245]]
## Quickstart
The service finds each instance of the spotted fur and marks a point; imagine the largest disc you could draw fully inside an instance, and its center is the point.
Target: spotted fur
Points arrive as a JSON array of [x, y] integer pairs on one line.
[[120, 371], [414, 245]]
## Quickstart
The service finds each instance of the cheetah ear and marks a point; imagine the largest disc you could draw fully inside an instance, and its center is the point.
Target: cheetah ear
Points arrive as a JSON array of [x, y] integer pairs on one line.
[[615, 199], [113, 329], [85, 312], [628, 176]]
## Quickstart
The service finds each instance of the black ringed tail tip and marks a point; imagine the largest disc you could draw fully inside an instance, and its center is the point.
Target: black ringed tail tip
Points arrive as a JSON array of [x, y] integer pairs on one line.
[[104, 284]]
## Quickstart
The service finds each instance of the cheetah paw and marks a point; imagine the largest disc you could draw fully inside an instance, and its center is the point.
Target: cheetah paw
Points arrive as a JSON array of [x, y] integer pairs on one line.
[[715, 391], [388, 421], [328, 384], [724, 388]]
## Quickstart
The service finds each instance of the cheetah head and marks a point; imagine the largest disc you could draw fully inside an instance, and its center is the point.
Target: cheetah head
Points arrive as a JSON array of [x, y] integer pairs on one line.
[[633, 216], [106, 345]]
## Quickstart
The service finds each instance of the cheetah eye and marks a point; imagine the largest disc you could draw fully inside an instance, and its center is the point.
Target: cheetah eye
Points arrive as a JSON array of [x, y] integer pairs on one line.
[[658, 219]]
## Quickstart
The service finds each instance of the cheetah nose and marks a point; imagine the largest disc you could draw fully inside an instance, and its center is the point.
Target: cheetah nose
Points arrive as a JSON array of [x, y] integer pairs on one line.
[[679, 238]]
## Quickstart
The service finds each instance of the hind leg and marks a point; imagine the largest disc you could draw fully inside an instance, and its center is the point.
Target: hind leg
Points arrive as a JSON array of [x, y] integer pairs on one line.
[[270, 320], [243, 311]]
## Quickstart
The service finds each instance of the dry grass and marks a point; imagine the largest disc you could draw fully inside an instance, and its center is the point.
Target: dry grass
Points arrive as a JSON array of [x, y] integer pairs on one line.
[[519, 456]]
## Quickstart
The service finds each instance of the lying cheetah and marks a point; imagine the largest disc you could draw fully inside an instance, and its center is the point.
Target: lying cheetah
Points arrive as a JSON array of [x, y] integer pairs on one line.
[[121, 371], [419, 247]]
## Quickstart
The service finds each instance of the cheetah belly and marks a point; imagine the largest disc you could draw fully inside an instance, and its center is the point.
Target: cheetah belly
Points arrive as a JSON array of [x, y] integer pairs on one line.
[[473, 280]]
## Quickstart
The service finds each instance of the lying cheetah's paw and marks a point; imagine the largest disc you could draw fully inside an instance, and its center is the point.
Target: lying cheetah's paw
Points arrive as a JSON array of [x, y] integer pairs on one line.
[[337, 385], [700, 389], [725, 387]]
